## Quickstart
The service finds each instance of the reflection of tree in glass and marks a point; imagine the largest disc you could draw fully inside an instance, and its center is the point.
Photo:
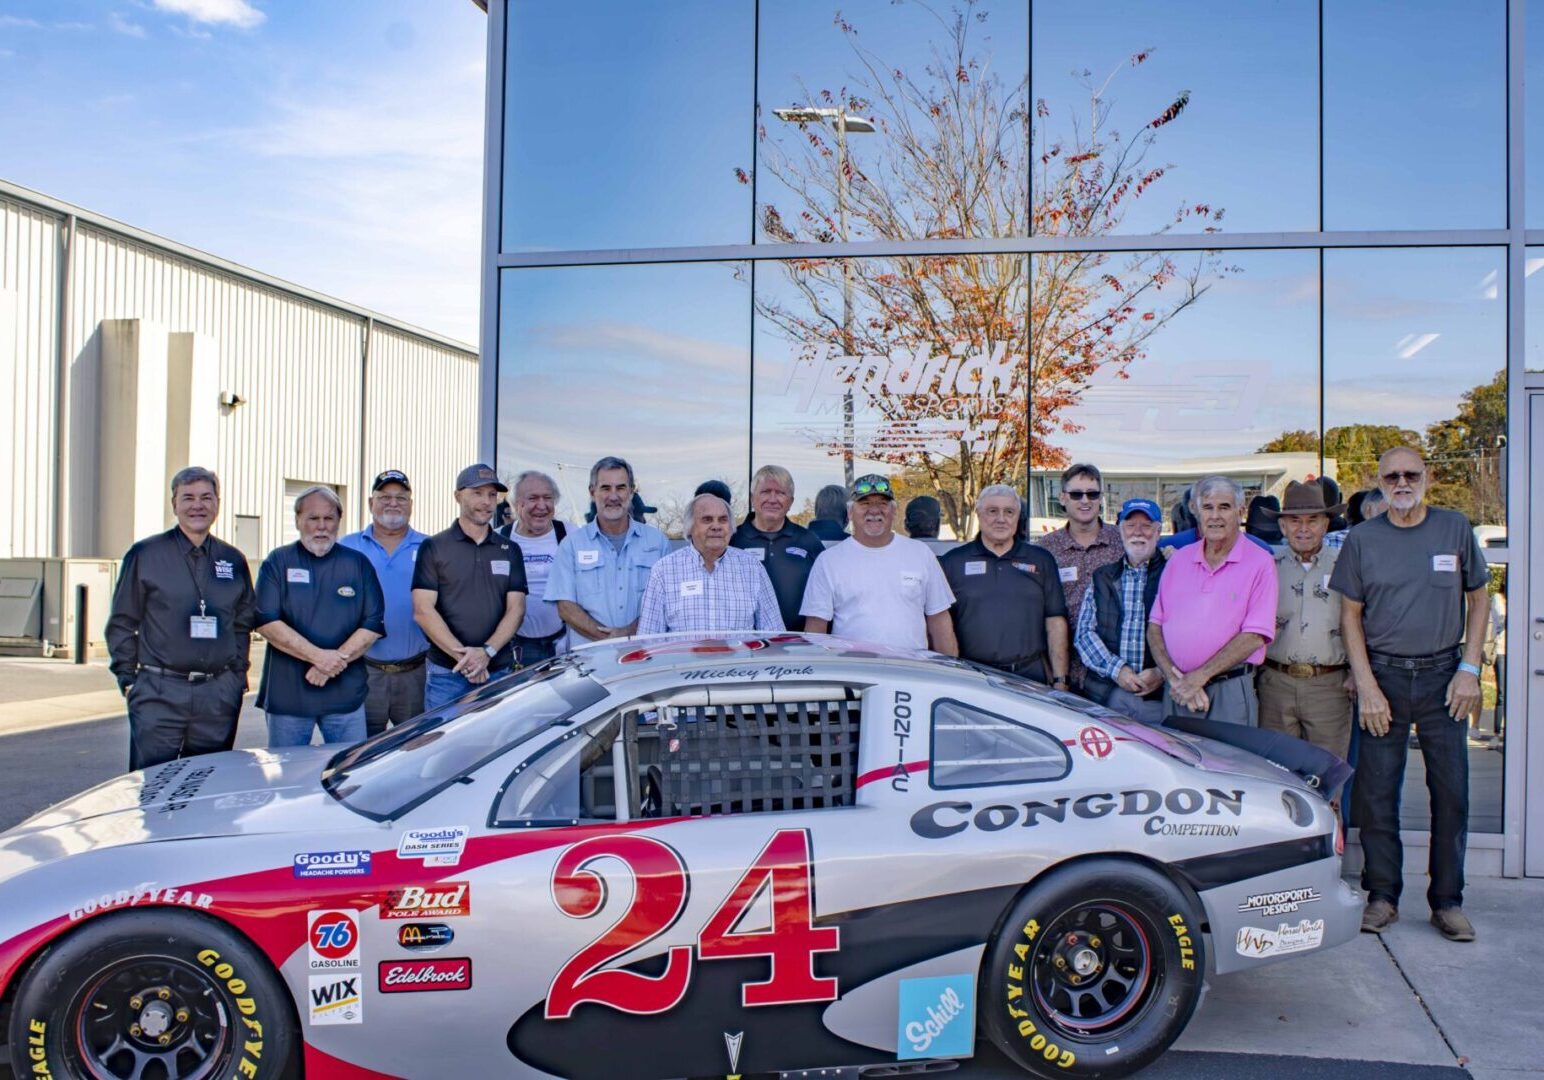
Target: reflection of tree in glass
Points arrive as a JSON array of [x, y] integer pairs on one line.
[[952, 159]]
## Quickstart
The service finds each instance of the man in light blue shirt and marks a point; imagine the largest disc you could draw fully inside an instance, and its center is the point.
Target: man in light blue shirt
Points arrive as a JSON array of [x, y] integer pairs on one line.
[[395, 663], [600, 571]]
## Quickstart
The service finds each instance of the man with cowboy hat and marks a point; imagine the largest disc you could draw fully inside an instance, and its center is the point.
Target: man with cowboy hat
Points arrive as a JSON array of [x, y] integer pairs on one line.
[[1305, 686]]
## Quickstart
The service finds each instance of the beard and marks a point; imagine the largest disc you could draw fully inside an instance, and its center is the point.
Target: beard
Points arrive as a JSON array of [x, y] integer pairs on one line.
[[317, 546], [394, 519]]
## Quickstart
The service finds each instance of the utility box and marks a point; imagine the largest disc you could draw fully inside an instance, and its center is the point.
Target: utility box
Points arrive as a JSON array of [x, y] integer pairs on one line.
[[37, 604]]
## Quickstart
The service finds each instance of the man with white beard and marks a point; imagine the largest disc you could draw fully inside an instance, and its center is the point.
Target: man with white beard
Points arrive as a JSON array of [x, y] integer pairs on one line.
[[319, 605], [395, 664]]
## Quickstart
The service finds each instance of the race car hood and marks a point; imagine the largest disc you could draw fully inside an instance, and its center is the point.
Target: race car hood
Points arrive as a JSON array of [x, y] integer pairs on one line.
[[242, 792]]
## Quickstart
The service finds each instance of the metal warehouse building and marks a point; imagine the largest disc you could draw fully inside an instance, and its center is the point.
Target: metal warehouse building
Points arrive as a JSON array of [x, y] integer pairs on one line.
[[124, 356]]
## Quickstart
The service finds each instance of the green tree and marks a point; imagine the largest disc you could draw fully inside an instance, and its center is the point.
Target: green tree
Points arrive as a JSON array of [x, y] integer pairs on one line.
[[1292, 442], [1464, 454]]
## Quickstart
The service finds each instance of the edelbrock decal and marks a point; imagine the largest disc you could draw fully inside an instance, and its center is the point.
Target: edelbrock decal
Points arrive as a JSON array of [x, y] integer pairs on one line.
[[1287, 938], [936, 1018], [436, 847], [942, 819], [315, 864], [413, 976]]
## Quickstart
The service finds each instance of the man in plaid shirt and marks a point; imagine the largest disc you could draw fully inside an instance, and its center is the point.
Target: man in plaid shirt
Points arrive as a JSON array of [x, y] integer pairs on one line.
[[708, 585], [1112, 623]]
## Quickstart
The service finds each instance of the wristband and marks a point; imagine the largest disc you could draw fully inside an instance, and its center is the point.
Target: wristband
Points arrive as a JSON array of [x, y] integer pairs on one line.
[[1470, 668]]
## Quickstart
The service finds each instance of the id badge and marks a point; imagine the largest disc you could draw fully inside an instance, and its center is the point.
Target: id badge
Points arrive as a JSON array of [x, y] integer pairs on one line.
[[203, 627]]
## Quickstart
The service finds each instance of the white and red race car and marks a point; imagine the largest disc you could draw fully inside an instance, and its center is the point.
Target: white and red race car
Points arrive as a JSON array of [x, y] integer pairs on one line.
[[667, 857]]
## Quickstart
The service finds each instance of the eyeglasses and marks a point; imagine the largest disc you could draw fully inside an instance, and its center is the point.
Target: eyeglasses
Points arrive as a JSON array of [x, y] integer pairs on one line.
[[1084, 496], [877, 486], [1405, 477]]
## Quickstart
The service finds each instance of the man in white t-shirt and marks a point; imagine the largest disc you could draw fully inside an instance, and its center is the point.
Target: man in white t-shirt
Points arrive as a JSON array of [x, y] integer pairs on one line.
[[877, 586], [542, 633]]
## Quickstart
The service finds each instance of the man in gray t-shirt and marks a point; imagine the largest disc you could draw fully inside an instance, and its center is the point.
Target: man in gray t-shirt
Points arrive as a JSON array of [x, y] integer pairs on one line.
[[1413, 587]]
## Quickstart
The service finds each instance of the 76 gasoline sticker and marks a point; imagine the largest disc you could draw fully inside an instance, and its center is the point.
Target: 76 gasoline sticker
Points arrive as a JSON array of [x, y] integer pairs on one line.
[[333, 940]]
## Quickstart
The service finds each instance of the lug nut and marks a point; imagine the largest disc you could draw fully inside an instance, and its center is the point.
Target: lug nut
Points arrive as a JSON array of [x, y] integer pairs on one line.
[[164, 994], [1074, 978], [134, 1030], [1060, 963], [1094, 942], [182, 1016], [136, 1002], [164, 1039]]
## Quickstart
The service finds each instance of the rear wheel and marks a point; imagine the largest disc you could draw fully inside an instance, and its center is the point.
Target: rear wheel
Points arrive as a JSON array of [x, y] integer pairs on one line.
[[152, 995], [1096, 971]]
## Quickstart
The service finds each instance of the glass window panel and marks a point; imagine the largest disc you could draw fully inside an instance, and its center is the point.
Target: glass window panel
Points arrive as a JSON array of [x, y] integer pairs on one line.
[[972, 748], [651, 363], [1415, 352], [1533, 113], [936, 367], [1533, 309], [1414, 114], [1161, 368], [934, 97], [1243, 142], [624, 123]]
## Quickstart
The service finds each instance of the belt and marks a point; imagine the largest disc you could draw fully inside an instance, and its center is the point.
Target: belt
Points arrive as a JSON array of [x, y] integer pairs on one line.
[[190, 676], [1018, 666], [392, 667], [1231, 673], [1415, 663], [548, 640], [1304, 671]]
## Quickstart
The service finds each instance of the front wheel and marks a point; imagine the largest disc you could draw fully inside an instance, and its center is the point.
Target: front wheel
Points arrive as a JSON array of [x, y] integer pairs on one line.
[[1095, 972], [149, 993]]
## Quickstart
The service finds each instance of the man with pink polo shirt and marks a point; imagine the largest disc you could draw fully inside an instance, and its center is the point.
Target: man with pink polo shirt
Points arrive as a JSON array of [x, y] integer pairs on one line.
[[1214, 614]]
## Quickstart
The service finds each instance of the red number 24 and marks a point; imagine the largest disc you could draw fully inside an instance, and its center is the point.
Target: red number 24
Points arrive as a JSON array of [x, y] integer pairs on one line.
[[659, 897]]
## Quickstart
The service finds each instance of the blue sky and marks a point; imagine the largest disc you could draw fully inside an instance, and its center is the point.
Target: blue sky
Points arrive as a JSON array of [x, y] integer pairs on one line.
[[337, 144]]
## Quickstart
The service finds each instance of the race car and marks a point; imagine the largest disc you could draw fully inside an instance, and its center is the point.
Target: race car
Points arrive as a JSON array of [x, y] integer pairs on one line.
[[663, 857]]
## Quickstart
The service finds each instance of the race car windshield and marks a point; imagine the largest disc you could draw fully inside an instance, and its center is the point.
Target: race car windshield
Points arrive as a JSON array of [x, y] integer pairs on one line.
[[389, 774]]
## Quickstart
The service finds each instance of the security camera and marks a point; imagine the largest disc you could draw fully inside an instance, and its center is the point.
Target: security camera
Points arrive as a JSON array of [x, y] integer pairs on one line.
[[229, 399]]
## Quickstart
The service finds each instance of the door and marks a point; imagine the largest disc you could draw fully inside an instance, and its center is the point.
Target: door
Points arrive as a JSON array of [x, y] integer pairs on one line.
[[1533, 793]]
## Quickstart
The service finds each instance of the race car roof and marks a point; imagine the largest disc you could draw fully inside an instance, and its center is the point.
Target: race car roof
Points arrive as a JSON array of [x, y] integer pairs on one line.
[[622, 658]]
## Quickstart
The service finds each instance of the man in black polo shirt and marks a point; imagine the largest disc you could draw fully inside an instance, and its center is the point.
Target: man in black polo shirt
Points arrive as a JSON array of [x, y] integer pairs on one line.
[[320, 606], [1009, 610], [469, 593], [787, 550], [180, 631]]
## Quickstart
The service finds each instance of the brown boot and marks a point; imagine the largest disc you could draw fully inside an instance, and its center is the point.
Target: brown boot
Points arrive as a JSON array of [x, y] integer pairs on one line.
[[1451, 923], [1378, 916]]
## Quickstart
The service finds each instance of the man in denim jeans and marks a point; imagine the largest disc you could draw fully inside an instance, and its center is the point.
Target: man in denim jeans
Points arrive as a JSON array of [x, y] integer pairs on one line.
[[1413, 583]]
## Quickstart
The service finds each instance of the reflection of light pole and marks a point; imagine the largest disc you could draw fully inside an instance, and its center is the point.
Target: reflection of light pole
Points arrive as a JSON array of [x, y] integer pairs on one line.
[[844, 122]]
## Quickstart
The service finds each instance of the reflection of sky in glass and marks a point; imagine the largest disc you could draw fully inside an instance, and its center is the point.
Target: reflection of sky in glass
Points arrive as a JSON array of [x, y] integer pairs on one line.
[[1533, 111], [1225, 376], [1247, 141], [650, 363], [1406, 332], [624, 122], [1533, 310], [1414, 114]]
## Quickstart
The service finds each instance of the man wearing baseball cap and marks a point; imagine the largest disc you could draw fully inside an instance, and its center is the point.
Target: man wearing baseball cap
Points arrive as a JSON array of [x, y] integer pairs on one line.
[[469, 593], [395, 663], [876, 586], [1111, 633]]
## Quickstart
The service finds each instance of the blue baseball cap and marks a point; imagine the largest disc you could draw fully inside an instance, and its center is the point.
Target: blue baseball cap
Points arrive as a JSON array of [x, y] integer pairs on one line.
[[1140, 506]]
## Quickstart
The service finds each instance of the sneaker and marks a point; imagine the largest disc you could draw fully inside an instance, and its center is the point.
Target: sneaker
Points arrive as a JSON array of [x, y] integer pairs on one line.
[[1451, 923], [1379, 915]]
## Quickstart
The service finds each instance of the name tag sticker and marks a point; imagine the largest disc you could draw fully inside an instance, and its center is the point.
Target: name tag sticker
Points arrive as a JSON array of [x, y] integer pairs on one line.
[[345, 590], [589, 557], [1444, 562], [759, 554], [1326, 582], [691, 588], [1068, 573], [1025, 567], [203, 627], [798, 552], [975, 567], [297, 577], [500, 566]]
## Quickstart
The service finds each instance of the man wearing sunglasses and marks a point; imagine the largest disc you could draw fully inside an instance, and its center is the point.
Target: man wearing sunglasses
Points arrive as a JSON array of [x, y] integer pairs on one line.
[[877, 586], [1413, 612], [1081, 546]]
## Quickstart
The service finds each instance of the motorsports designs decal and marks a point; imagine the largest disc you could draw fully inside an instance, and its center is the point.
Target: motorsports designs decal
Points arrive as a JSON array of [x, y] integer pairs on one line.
[[942, 819], [413, 976], [936, 1017], [1284, 902], [442, 900], [315, 864]]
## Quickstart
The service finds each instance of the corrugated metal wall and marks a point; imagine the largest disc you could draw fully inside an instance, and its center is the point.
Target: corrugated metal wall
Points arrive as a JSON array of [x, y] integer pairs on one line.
[[298, 364]]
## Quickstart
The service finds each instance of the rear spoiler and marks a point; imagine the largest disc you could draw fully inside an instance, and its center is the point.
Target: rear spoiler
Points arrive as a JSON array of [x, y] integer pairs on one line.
[[1319, 769]]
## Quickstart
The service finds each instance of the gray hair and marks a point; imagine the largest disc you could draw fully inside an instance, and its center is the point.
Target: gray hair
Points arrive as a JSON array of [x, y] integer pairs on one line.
[[1373, 497], [993, 491], [772, 472], [194, 474], [610, 462], [1207, 484], [325, 492], [831, 503], [536, 474], [691, 507]]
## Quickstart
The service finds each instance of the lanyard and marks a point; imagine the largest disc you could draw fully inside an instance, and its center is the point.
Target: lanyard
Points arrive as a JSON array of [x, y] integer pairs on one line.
[[191, 558]]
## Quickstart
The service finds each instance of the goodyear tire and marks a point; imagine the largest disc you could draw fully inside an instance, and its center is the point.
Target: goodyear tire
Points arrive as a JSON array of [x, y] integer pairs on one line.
[[152, 993], [1095, 971]]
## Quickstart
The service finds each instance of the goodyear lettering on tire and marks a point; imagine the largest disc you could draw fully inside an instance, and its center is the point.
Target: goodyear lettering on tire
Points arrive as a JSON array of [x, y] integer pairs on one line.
[[37, 1052], [252, 1043], [1026, 1026]]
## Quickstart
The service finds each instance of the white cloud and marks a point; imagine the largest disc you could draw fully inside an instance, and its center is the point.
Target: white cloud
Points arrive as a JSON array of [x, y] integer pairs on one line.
[[238, 13], [124, 26], [20, 23]]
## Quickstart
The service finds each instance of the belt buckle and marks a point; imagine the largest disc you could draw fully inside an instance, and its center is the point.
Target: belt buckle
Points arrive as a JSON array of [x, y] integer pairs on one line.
[[1300, 671]]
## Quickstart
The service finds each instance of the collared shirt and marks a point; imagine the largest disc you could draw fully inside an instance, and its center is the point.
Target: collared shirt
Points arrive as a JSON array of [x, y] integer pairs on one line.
[[1307, 611], [404, 639], [1001, 602], [1201, 609], [683, 594], [324, 599], [1133, 627], [160, 586], [1337, 539], [472, 582], [1076, 565], [606, 581], [828, 530], [787, 556]]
